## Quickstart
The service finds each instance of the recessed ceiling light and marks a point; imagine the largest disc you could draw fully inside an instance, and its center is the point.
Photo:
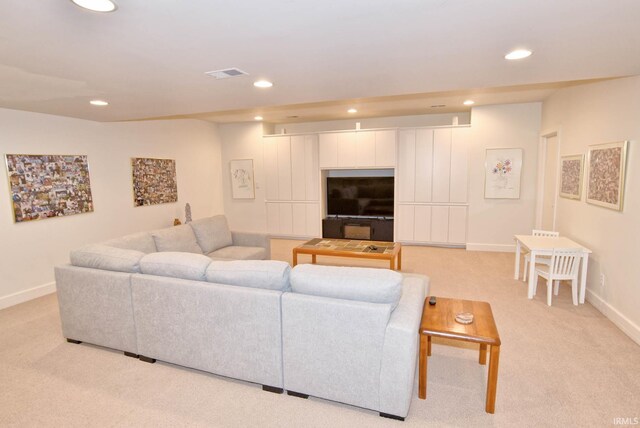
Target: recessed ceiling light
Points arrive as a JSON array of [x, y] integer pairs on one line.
[[352, 110], [96, 5], [258, 118], [100, 103], [518, 54], [469, 102], [262, 84]]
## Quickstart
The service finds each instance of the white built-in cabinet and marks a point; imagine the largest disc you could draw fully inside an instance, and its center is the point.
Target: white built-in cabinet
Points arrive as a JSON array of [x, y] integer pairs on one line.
[[358, 149], [432, 175], [292, 177]]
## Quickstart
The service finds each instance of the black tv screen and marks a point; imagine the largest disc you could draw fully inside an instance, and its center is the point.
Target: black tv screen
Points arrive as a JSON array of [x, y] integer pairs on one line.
[[360, 196]]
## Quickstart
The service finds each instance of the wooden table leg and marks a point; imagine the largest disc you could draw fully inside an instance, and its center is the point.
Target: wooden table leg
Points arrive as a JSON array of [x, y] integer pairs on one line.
[[295, 257], [392, 264], [516, 270], [400, 259], [492, 382], [425, 341], [483, 354], [313, 258], [428, 346]]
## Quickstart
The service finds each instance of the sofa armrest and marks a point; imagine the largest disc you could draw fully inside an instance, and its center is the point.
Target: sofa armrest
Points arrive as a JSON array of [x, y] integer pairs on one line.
[[251, 239], [400, 349]]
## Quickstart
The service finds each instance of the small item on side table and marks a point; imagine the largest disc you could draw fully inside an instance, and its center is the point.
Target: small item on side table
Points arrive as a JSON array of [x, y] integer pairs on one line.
[[176, 222], [432, 300], [464, 317]]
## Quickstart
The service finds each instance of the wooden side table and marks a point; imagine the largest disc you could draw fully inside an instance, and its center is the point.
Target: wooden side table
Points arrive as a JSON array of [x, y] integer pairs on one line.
[[439, 320]]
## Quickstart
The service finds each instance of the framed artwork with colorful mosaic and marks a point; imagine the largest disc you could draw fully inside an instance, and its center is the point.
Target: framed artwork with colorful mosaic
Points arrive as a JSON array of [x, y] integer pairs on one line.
[[571, 171], [46, 186], [154, 181], [605, 174]]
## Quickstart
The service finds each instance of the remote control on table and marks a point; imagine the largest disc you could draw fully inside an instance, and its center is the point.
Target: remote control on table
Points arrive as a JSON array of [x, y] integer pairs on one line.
[[432, 300]]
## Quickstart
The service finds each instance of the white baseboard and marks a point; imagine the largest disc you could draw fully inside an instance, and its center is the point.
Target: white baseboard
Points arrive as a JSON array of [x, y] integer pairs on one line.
[[500, 248], [26, 295], [622, 322]]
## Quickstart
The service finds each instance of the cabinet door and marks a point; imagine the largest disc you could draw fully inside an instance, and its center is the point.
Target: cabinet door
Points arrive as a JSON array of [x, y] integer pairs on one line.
[[406, 165], [286, 219], [365, 148], [313, 219], [457, 225], [441, 164], [406, 220], [273, 218], [460, 143], [284, 168], [440, 224], [270, 151], [311, 168], [328, 148], [424, 165], [422, 223], [299, 219], [385, 148], [298, 169], [347, 149]]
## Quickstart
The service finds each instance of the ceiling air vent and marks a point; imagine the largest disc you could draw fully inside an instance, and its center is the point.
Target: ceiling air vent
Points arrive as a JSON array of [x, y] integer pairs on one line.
[[226, 73]]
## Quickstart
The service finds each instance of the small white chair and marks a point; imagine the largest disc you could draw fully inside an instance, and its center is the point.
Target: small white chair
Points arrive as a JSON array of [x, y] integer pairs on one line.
[[563, 264], [543, 260]]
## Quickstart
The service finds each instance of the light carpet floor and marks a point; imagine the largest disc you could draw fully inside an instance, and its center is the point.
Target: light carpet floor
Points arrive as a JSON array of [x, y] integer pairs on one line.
[[560, 366]]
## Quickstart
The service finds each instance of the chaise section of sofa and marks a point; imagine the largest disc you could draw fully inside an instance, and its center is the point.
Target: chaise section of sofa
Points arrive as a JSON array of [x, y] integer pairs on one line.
[[351, 335]]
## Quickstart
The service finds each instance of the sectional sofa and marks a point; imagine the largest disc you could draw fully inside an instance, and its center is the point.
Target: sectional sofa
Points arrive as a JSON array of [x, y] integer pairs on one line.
[[340, 333]]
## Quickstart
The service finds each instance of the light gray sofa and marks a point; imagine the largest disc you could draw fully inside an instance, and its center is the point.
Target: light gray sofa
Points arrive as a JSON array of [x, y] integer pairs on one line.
[[344, 334]]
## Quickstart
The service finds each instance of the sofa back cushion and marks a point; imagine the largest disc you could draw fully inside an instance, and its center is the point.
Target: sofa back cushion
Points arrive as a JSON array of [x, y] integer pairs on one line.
[[212, 233], [99, 256], [176, 265], [142, 241], [350, 283], [268, 274], [176, 238]]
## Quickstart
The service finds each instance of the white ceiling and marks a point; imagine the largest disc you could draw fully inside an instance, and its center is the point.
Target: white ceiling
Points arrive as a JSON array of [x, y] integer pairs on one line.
[[386, 57]]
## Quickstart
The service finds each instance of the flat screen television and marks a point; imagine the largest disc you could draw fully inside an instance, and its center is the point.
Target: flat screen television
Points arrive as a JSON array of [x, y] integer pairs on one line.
[[360, 196]]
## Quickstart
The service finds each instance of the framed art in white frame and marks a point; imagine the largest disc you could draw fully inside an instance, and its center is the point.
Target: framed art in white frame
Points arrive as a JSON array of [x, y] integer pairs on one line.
[[571, 172], [606, 165], [242, 181], [502, 173]]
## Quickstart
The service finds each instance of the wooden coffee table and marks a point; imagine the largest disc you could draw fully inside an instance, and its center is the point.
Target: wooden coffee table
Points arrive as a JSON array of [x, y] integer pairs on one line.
[[351, 248], [439, 320]]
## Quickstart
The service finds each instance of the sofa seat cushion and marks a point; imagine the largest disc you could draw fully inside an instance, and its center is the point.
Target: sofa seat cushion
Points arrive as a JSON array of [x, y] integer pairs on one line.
[[176, 239], [350, 283], [176, 265], [99, 256], [268, 274], [142, 241], [234, 252], [212, 233]]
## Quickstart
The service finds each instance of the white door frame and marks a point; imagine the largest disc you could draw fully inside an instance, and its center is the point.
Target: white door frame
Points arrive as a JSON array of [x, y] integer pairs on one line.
[[542, 160]]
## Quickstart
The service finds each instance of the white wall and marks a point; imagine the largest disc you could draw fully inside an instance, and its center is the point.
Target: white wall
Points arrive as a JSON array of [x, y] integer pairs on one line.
[[493, 222], [30, 250], [375, 122], [244, 141], [592, 114]]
